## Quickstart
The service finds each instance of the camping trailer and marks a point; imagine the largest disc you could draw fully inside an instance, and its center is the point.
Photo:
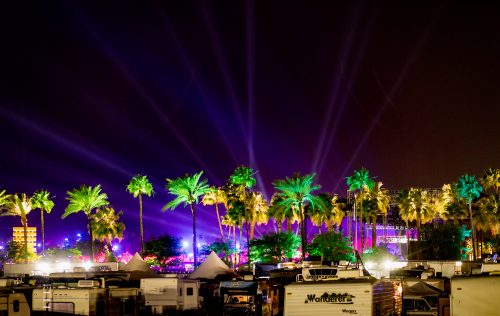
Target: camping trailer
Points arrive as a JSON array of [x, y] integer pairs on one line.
[[170, 293], [361, 296], [475, 295]]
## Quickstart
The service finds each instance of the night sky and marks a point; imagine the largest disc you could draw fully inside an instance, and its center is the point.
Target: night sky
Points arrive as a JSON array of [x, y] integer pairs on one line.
[[94, 94]]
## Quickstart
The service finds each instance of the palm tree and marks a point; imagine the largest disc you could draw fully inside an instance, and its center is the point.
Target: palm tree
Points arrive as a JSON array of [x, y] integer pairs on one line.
[[296, 192], [491, 180], [256, 211], [4, 198], [280, 213], [379, 201], [106, 225], [42, 200], [468, 188], [450, 206], [488, 217], [332, 214], [216, 196], [19, 205], [241, 180], [138, 186], [85, 199], [187, 190], [360, 181], [421, 207]]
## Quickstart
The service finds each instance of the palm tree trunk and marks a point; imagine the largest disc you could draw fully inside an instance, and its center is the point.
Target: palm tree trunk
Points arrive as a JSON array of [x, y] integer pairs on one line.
[[252, 229], [302, 232], [25, 231], [42, 223], [141, 229], [91, 234], [220, 222], [248, 245], [473, 233], [289, 225], [235, 250], [374, 232], [195, 245], [361, 228]]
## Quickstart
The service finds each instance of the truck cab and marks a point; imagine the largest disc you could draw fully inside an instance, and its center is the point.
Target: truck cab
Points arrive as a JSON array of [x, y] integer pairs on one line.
[[419, 305]]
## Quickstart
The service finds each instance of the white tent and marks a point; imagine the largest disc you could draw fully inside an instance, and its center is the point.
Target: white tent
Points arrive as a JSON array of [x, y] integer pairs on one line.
[[210, 268], [137, 264]]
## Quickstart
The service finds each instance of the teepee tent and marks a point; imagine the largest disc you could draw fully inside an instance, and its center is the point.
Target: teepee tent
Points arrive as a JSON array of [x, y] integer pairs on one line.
[[211, 268]]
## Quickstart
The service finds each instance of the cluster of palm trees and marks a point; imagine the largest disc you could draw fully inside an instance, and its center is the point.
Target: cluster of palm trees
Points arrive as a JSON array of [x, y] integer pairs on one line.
[[296, 198]]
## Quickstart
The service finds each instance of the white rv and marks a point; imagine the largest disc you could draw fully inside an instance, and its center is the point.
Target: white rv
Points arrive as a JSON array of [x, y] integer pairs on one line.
[[475, 295], [170, 293], [360, 296]]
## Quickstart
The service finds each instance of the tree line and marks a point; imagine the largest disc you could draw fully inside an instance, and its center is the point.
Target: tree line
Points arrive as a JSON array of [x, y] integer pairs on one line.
[[470, 200]]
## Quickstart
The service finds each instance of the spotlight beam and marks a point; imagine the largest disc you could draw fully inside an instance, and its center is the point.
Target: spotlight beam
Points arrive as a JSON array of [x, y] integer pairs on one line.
[[388, 99]]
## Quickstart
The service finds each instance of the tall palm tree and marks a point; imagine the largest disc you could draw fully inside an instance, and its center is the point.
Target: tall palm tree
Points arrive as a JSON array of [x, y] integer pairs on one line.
[[86, 199], [139, 185], [296, 192], [378, 201], [491, 180], [488, 217], [216, 196], [421, 207], [240, 182], [187, 190], [42, 200], [106, 225], [19, 205], [361, 182], [468, 188], [256, 211]]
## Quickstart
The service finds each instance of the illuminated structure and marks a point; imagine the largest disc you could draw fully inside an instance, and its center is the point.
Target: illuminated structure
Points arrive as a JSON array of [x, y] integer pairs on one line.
[[18, 236]]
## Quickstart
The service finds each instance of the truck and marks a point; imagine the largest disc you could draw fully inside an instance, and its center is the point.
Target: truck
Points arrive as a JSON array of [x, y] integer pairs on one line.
[[240, 298], [475, 295], [362, 296]]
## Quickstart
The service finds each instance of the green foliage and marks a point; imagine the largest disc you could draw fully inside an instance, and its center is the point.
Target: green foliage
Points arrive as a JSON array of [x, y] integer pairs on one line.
[[139, 185], [360, 180], [106, 224], [273, 248], [163, 247], [377, 254], [243, 176], [445, 242], [4, 197], [468, 188], [16, 252], [56, 253], [297, 191], [41, 199], [187, 190], [86, 198], [331, 246]]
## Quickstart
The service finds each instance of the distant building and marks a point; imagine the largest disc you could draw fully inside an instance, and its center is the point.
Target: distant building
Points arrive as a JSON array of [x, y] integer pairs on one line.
[[18, 235]]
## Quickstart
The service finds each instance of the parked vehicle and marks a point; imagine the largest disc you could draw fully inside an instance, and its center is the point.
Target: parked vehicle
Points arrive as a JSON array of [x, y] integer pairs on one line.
[[475, 295], [240, 298], [364, 296]]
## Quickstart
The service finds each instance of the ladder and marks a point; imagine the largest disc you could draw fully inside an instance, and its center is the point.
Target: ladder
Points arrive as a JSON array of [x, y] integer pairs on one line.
[[47, 297]]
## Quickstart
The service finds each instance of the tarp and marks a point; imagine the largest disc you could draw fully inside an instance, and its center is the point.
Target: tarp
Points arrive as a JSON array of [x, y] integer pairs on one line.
[[211, 268], [421, 289]]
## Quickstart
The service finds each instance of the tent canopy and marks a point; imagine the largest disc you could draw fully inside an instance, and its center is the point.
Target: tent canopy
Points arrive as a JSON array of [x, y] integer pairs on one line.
[[421, 288], [211, 268], [137, 264]]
